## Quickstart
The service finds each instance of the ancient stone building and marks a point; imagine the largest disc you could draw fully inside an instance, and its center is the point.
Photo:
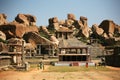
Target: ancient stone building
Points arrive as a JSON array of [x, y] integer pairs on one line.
[[74, 54], [112, 56], [15, 51], [64, 33]]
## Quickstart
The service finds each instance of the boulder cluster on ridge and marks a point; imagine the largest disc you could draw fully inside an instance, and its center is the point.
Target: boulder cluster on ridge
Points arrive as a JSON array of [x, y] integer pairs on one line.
[[24, 26]]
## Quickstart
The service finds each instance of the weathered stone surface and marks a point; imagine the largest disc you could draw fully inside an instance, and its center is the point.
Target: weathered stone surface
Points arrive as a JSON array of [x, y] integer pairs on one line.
[[2, 35], [62, 22], [84, 21], [110, 41], [3, 47], [3, 18], [96, 30], [30, 39], [50, 21], [71, 16], [54, 40], [54, 26], [105, 36], [108, 26], [84, 32], [69, 22], [83, 27], [53, 20], [54, 23], [80, 25], [29, 46], [44, 30], [34, 38], [117, 29], [82, 18], [16, 30], [26, 19], [15, 41]]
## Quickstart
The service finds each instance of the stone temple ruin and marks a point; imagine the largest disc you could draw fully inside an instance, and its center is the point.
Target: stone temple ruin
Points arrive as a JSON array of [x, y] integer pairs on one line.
[[112, 56], [68, 40]]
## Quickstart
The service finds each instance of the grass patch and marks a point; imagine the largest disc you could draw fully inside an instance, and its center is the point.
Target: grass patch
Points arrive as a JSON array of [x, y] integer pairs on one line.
[[33, 65], [75, 69]]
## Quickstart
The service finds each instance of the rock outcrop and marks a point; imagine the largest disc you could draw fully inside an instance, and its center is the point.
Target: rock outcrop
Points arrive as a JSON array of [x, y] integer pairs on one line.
[[3, 18], [54, 40], [29, 46], [53, 23], [109, 27], [84, 21], [84, 32], [97, 30], [83, 27], [70, 20], [3, 47], [16, 30], [2, 36], [71, 16], [117, 29], [53, 20], [25, 25], [79, 28], [15, 41], [44, 30], [26, 19], [108, 32]]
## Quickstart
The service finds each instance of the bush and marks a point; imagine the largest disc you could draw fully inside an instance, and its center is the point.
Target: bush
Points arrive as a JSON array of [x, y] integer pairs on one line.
[[83, 39], [4, 41]]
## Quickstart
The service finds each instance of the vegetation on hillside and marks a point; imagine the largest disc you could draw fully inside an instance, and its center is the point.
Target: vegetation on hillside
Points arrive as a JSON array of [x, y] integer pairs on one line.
[[4, 41]]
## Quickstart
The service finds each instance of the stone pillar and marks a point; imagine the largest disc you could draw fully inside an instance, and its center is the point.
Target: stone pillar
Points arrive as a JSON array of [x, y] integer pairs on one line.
[[86, 51], [81, 51], [66, 35], [53, 51], [49, 51], [26, 66], [62, 36], [59, 51], [14, 59], [23, 57], [40, 49], [76, 51], [56, 34]]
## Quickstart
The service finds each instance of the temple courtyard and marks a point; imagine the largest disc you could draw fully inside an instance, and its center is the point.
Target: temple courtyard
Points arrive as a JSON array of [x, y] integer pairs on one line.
[[63, 73]]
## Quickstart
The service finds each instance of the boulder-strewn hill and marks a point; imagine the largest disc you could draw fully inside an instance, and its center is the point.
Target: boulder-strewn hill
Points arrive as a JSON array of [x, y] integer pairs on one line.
[[107, 32], [24, 25], [69, 30]]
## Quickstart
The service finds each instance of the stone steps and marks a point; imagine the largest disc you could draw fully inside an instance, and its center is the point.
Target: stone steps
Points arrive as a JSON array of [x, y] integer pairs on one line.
[[72, 42]]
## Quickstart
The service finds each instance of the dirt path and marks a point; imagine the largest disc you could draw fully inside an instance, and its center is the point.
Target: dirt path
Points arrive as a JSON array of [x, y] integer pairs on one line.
[[36, 74], [113, 68]]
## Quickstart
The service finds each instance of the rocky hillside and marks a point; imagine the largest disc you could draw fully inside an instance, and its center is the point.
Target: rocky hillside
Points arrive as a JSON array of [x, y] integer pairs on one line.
[[24, 27]]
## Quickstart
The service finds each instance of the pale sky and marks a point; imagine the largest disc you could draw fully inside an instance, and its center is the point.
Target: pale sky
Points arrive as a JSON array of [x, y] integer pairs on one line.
[[95, 10]]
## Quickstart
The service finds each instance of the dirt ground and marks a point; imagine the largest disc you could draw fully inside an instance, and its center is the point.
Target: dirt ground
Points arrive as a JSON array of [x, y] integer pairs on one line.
[[36, 74]]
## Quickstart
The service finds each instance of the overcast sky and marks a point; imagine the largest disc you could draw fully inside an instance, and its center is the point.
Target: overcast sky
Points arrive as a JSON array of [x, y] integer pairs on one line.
[[95, 10]]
